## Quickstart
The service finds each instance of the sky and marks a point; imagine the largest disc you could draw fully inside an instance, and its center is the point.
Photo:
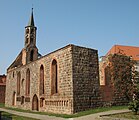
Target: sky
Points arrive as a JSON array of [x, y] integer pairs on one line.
[[96, 24]]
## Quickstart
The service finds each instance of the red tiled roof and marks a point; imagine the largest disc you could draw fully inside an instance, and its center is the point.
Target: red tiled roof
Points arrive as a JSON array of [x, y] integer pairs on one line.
[[126, 50]]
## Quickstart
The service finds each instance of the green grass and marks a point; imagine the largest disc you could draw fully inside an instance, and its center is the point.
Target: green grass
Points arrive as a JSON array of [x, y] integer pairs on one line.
[[97, 110], [2, 105], [91, 111], [129, 115], [15, 117]]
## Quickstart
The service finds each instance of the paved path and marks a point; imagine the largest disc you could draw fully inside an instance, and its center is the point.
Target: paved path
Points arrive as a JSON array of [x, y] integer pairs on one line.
[[32, 115], [97, 116], [100, 116]]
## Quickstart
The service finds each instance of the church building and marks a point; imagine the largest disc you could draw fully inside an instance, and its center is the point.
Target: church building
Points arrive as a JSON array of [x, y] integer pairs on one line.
[[64, 81]]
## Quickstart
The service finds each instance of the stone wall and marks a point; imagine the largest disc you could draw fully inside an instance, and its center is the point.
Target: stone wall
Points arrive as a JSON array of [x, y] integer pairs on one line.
[[2, 93], [85, 79], [2, 88], [111, 96], [78, 82], [61, 102]]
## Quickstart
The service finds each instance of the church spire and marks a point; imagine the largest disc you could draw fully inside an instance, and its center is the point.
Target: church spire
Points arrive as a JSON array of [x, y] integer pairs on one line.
[[30, 49], [31, 21]]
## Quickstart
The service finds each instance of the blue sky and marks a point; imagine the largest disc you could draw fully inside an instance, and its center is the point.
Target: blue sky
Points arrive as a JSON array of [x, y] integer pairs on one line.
[[97, 24]]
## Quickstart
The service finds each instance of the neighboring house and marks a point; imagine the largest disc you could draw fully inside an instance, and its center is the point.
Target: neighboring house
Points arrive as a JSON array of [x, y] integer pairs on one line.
[[2, 88], [131, 51], [106, 89], [64, 81]]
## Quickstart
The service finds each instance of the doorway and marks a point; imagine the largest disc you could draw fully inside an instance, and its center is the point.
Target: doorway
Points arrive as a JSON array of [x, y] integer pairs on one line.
[[35, 103]]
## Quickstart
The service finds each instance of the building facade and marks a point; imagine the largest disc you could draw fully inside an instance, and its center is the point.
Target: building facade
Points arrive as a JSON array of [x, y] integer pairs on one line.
[[64, 81], [2, 88], [107, 89], [131, 51]]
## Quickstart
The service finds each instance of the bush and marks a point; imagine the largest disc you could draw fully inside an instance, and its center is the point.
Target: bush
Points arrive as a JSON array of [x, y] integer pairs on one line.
[[134, 106]]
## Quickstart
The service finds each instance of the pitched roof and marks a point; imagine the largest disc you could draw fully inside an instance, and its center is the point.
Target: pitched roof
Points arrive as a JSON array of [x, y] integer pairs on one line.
[[132, 51]]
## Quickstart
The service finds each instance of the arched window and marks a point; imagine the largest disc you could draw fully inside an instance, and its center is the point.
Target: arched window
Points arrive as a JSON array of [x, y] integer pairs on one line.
[[54, 81], [27, 31], [18, 83], [13, 74], [32, 31], [31, 55], [26, 41], [22, 83], [41, 80], [14, 98], [28, 82], [31, 40]]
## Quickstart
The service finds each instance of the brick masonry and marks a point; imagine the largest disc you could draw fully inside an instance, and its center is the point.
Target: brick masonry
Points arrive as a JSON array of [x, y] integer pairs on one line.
[[85, 79], [2, 88], [109, 92], [78, 81]]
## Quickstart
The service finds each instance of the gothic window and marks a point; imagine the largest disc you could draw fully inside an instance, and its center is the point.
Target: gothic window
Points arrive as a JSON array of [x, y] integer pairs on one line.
[[14, 98], [27, 31], [18, 83], [13, 74], [32, 30], [28, 82], [31, 55], [22, 83], [31, 40], [26, 41], [41, 80], [54, 81]]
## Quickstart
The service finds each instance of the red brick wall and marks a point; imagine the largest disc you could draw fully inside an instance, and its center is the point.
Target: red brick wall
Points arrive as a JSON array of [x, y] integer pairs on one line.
[[107, 93], [2, 93], [2, 88]]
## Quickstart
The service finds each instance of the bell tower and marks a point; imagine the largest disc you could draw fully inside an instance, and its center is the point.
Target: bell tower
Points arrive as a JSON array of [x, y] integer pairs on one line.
[[30, 51]]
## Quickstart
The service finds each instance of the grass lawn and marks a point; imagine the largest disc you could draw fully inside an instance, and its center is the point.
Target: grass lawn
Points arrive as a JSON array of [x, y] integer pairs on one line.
[[129, 115], [11, 116], [15, 117], [2, 105], [91, 111]]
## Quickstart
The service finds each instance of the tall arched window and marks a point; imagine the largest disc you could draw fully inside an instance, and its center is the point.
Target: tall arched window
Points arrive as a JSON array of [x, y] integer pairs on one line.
[[28, 82], [31, 55], [31, 40], [41, 80], [54, 81], [14, 98], [18, 83]]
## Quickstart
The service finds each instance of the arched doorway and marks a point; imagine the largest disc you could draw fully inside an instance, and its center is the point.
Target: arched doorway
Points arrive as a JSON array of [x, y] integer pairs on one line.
[[35, 102], [14, 99]]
